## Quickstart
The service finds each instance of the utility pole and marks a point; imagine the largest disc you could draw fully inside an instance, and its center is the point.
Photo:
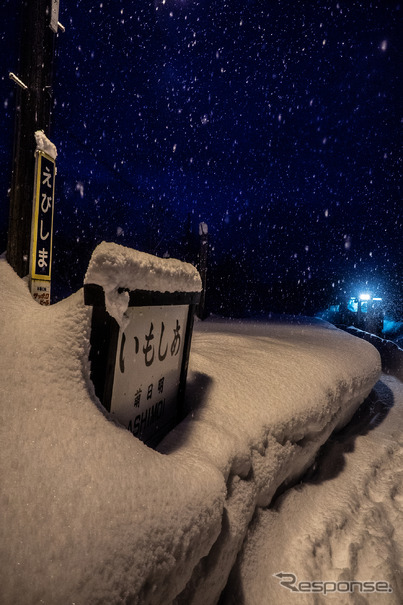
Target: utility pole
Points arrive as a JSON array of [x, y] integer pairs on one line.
[[33, 112]]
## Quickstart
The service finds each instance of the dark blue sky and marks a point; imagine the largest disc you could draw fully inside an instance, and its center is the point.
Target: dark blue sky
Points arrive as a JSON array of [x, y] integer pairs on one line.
[[277, 123]]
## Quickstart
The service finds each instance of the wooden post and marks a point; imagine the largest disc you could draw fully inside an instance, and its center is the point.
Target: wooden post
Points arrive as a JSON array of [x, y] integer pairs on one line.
[[33, 112], [203, 233]]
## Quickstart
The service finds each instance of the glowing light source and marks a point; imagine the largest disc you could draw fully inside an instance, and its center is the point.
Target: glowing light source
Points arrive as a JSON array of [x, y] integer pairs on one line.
[[365, 297]]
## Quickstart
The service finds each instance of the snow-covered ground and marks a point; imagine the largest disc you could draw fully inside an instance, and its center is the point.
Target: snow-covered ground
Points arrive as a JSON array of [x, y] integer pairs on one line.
[[92, 515], [342, 524]]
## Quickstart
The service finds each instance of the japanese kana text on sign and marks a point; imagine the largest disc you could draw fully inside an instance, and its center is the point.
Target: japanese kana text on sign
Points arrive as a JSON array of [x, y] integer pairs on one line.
[[148, 367], [43, 211]]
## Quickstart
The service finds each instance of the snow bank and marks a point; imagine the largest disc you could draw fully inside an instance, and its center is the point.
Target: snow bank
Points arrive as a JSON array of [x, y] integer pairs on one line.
[[116, 269], [343, 524], [267, 397], [91, 515], [391, 354]]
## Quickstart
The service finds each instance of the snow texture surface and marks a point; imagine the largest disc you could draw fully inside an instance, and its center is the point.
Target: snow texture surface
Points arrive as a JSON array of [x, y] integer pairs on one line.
[[90, 515], [343, 524], [43, 144]]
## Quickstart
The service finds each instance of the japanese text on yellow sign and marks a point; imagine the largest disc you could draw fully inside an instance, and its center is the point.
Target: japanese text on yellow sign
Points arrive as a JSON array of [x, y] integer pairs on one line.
[[43, 212]]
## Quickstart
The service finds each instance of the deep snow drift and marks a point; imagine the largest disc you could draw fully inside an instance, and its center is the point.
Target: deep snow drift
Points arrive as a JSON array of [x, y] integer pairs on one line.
[[92, 515], [343, 524]]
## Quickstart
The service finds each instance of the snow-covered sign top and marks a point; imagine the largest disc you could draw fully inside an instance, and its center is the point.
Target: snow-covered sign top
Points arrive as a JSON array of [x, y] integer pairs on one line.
[[43, 144], [116, 267]]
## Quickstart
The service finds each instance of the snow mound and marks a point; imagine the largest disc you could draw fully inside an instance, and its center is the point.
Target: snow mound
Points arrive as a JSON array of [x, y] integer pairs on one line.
[[342, 525], [117, 269], [390, 352], [43, 144], [91, 515]]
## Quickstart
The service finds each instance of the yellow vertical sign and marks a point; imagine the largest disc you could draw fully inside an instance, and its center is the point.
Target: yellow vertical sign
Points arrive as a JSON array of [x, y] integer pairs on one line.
[[42, 227]]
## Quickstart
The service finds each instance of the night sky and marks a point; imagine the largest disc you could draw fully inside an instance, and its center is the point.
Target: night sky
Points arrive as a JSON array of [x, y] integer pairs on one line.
[[277, 123]]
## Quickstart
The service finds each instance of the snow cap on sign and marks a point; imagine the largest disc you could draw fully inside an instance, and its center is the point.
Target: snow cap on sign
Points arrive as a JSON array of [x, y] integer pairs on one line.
[[43, 144], [116, 267]]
